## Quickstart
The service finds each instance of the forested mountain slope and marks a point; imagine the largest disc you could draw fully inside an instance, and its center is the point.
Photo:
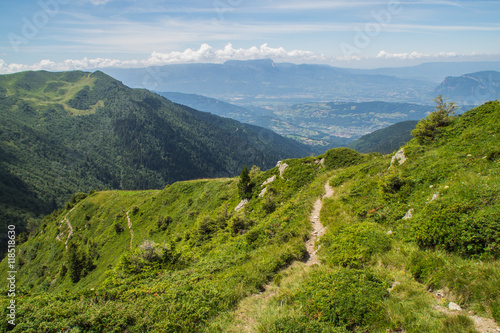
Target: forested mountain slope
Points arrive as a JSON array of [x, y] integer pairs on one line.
[[62, 133], [385, 140]]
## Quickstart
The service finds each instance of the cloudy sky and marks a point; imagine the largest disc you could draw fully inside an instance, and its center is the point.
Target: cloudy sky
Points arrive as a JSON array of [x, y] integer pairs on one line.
[[86, 34]]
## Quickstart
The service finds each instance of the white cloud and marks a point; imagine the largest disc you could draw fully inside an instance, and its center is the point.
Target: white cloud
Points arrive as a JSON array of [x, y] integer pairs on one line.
[[416, 55], [205, 54]]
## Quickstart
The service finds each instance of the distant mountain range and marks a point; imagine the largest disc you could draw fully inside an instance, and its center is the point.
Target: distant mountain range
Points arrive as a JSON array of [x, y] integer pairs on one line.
[[474, 88], [432, 71], [263, 82]]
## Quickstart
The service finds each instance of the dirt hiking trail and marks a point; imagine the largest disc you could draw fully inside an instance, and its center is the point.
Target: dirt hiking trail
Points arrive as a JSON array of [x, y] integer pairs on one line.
[[318, 228]]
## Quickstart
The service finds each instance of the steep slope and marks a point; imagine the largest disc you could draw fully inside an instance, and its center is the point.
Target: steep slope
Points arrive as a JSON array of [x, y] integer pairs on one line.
[[406, 236], [192, 254], [61, 133], [471, 89], [385, 140]]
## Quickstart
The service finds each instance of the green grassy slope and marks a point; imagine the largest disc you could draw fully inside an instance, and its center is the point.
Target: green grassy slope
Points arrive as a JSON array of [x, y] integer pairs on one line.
[[446, 251], [192, 254], [197, 265], [62, 133]]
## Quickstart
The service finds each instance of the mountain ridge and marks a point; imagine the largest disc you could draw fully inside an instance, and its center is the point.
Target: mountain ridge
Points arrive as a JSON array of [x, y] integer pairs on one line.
[[70, 132]]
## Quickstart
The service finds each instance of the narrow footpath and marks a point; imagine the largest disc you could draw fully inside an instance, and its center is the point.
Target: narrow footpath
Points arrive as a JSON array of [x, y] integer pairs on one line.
[[130, 229], [70, 230], [318, 228], [250, 307]]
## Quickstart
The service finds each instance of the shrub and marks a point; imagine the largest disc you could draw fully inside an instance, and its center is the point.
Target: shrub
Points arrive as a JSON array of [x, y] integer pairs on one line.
[[341, 157], [342, 177], [346, 298], [269, 204], [354, 244], [164, 222], [429, 128], [463, 227], [148, 256], [118, 227]]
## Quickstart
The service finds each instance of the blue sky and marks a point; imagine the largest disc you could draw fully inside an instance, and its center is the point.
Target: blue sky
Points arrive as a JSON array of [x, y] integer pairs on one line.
[[85, 34]]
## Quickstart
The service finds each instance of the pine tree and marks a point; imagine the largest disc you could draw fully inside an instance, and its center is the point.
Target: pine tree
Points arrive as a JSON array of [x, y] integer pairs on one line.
[[430, 128], [244, 184], [74, 263]]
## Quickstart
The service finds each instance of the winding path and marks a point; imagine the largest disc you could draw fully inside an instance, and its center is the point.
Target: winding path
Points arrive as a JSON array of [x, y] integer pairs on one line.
[[131, 231], [318, 228], [70, 229]]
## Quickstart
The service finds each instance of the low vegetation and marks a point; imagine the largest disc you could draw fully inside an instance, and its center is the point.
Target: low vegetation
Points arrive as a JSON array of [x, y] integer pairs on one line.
[[403, 239]]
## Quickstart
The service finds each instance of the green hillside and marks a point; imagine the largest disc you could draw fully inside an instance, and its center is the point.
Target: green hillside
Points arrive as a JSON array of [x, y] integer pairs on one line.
[[68, 132], [404, 237]]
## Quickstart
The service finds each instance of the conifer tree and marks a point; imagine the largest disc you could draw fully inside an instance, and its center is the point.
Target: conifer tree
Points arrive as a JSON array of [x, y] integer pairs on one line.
[[244, 184], [430, 128]]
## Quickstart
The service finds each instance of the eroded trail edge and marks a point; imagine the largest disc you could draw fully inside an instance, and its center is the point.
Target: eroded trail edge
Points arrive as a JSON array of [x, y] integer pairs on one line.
[[318, 228]]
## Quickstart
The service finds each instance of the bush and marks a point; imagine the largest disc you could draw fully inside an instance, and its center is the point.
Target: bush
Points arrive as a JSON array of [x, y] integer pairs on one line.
[[458, 226], [342, 177], [77, 197], [341, 157], [345, 298], [118, 227], [164, 222], [429, 128], [148, 256], [354, 244]]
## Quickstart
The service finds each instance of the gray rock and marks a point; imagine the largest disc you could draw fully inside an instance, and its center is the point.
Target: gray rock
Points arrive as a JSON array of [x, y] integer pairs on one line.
[[400, 157], [269, 180], [241, 204], [409, 215], [454, 307]]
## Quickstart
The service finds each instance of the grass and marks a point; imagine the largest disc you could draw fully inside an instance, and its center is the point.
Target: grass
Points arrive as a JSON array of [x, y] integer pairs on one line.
[[211, 269], [216, 256]]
